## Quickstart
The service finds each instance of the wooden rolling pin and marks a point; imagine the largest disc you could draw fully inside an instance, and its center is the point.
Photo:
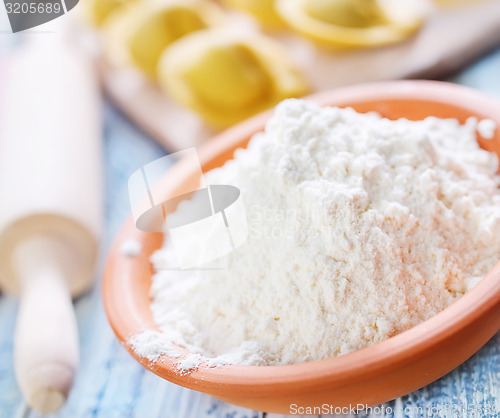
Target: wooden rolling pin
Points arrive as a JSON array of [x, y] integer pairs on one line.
[[50, 212]]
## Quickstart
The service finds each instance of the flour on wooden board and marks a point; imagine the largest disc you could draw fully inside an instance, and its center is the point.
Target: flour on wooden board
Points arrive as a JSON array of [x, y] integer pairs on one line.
[[359, 228]]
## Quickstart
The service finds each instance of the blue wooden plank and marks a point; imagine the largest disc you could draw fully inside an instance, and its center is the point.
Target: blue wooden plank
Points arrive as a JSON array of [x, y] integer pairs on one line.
[[10, 398], [483, 75]]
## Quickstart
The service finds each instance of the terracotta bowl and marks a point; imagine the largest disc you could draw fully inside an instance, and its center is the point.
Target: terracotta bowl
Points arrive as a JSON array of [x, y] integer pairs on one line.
[[370, 376]]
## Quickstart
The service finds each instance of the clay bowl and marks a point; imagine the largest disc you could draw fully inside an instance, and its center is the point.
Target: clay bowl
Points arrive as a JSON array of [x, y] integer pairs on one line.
[[370, 376]]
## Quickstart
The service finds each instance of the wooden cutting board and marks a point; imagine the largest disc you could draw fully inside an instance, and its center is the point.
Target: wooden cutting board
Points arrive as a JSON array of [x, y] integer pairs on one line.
[[451, 38]]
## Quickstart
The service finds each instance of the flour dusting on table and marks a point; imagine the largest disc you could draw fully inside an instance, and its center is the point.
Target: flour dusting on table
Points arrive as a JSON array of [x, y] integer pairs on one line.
[[359, 228]]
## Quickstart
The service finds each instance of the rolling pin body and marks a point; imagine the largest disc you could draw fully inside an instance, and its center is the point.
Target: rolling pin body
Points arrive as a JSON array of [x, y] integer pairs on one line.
[[50, 197]]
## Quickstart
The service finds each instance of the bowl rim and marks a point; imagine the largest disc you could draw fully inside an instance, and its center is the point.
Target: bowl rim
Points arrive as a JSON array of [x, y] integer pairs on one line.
[[267, 381]]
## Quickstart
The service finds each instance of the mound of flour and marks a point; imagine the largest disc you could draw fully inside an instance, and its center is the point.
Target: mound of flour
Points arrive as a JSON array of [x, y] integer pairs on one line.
[[359, 228]]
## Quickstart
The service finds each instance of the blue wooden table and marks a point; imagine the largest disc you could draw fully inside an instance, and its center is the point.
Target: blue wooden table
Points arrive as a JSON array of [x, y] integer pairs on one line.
[[111, 384]]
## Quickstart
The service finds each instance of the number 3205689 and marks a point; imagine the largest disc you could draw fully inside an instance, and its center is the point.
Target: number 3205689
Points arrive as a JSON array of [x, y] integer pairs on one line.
[[26, 8]]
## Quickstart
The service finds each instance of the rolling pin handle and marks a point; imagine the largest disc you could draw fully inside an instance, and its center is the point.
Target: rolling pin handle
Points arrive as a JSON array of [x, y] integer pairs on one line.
[[45, 342]]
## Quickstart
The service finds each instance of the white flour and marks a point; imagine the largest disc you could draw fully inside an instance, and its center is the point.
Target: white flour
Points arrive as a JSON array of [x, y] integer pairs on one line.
[[486, 128], [359, 228], [131, 248]]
